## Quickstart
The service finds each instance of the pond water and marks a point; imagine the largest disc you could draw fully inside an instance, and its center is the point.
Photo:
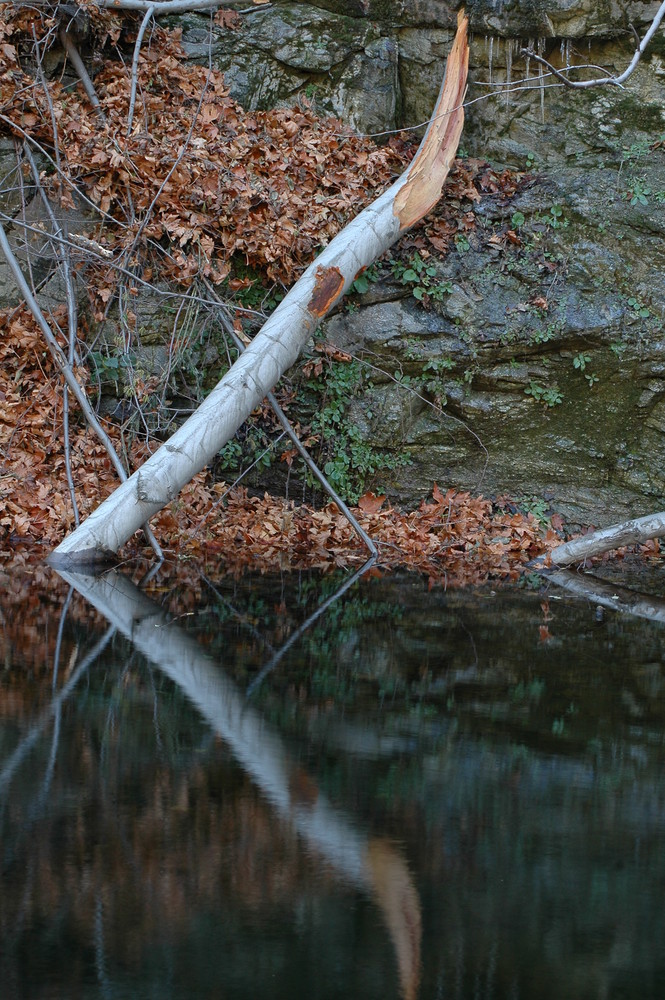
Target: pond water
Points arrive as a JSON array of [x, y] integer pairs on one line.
[[430, 794]]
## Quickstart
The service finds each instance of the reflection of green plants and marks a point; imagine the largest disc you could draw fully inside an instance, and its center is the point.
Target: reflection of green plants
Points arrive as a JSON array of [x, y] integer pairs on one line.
[[531, 691], [542, 394]]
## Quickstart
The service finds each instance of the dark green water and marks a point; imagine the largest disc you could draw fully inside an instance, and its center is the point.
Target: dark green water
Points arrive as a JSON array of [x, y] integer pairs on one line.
[[436, 795]]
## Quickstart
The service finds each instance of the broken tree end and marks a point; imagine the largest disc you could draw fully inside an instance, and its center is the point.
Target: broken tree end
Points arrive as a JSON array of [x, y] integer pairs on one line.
[[431, 164]]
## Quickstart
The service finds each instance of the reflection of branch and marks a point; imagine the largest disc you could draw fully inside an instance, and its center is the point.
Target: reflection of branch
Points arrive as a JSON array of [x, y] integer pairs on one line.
[[53, 709], [270, 666], [608, 595], [369, 863], [605, 80]]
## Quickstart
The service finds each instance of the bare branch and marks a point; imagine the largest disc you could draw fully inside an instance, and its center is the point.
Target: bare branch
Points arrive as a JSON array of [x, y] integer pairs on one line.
[[173, 6], [633, 532], [135, 65], [616, 81], [79, 66], [302, 451], [66, 371]]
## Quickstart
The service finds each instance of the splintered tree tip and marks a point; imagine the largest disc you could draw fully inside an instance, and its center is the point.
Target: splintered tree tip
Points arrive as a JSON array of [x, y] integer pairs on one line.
[[430, 167], [328, 287]]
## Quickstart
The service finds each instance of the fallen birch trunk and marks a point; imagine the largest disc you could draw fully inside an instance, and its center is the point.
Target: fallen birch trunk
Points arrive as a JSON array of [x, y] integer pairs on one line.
[[278, 344], [634, 532]]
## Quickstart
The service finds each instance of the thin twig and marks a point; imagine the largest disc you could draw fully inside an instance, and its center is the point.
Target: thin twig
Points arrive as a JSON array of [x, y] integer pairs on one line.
[[174, 6], [72, 317], [66, 371], [609, 80], [288, 427], [135, 65]]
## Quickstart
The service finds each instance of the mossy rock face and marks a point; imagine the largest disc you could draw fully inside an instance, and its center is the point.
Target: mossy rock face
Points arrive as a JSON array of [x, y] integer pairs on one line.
[[569, 403], [489, 391], [342, 64]]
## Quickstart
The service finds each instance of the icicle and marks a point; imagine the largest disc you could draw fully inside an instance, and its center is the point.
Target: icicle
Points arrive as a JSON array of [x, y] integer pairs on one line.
[[491, 56], [509, 68], [529, 46], [541, 80], [568, 53]]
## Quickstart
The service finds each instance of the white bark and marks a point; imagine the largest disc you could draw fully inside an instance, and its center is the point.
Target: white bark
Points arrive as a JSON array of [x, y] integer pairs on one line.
[[634, 532], [278, 344]]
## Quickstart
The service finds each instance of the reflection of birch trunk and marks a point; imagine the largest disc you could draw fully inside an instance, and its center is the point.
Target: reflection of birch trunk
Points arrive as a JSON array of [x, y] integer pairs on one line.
[[608, 595], [366, 862]]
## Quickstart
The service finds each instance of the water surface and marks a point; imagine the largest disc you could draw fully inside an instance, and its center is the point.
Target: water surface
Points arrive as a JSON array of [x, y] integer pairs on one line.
[[430, 795]]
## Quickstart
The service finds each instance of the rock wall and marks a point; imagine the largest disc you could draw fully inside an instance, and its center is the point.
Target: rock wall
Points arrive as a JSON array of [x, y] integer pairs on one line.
[[568, 400]]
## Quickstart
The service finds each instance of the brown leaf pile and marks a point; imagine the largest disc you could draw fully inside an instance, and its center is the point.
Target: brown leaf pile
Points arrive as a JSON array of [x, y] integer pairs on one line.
[[197, 171], [197, 183], [454, 538]]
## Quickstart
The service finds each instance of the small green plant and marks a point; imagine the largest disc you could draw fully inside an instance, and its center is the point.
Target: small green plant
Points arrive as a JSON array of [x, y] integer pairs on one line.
[[555, 219], [419, 276], [638, 191], [517, 220], [363, 281], [591, 379], [112, 368], [462, 243], [537, 506], [350, 461], [542, 394], [530, 162], [581, 360], [638, 307]]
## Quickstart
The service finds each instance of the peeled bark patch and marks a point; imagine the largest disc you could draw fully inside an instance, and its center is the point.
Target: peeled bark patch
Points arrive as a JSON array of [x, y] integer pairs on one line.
[[329, 284]]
